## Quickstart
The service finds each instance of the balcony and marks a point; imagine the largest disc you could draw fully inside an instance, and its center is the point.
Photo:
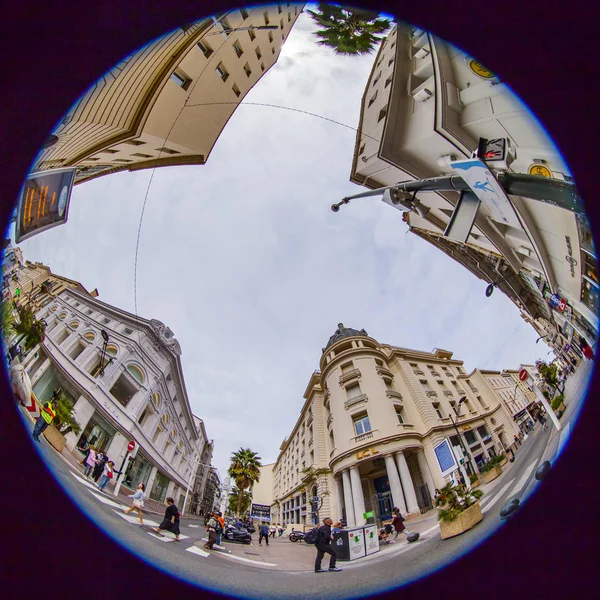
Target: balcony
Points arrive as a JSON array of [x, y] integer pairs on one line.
[[352, 374], [356, 400], [418, 372], [448, 393], [431, 394], [393, 394], [435, 373], [384, 371], [364, 436], [406, 425]]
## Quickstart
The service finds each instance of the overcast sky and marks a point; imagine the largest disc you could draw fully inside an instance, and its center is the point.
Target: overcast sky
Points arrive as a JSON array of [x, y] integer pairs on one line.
[[246, 263]]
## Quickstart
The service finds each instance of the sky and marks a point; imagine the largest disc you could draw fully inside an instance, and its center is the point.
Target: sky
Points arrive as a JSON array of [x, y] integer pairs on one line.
[[244, 260]]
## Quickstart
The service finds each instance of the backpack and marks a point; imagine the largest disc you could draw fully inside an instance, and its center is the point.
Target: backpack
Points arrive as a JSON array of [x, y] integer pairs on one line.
[[311, 536], [218, 528]]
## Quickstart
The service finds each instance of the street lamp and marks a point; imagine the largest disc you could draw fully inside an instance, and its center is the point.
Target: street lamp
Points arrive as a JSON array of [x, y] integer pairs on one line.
[[225, 31], [460, 441], [103, 355], [542, 337]]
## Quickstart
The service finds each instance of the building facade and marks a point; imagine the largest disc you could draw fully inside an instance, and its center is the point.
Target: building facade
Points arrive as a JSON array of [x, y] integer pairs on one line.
[[426, 104], [366, 434], [199, 486], [124, 377], [262, 492], [167, 103]]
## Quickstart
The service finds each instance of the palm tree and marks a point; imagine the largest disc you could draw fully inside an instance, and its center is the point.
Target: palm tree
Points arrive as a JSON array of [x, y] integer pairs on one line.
[[32, 330], [245, 471], [350, 32], [234, 497]]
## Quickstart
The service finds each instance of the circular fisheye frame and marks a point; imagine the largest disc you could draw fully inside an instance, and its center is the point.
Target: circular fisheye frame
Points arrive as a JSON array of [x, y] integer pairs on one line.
[[242, 394]]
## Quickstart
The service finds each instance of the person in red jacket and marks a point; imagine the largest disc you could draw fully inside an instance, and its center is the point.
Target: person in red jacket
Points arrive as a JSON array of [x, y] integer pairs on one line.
[[398, 523]]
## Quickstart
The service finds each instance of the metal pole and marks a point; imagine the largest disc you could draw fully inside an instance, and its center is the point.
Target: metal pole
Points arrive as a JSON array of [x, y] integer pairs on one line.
[[460, 441], [121, 474]]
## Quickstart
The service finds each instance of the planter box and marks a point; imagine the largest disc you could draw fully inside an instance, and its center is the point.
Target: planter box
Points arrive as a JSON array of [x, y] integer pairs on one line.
[[491, 474], [475, 484], [467, 519], [55, 438], [503, 462]]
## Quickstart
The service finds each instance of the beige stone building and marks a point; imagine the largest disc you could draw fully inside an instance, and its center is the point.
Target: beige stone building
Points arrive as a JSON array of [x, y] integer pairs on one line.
[[365, 437], [168, 102], [426, 104], [262, 492]]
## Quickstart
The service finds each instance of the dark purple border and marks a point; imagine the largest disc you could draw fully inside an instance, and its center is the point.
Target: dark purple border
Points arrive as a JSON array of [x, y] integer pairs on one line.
[[51, 52]]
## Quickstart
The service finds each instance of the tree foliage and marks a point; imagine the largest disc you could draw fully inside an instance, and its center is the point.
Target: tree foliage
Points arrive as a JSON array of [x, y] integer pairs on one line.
[[8, 320], [233, 501], [349, 31], [65, 421], [32, 330], [245, 471]]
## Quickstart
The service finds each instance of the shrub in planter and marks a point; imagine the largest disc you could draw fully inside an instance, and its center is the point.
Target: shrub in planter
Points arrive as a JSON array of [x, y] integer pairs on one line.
[[454, 500], [557, 401]]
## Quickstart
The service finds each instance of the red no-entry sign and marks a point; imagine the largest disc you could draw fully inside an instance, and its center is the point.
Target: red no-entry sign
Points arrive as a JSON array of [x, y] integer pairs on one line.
[[523, 374], [130, 446]]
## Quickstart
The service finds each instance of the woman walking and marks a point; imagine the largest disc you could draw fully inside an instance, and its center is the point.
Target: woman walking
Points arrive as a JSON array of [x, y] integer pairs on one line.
[[101, 460], [107, 475], [138, 502], [171, 520], [90, 462], [398, 523]]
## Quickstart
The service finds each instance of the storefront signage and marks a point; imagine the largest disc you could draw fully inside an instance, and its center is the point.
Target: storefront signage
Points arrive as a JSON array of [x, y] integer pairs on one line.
[[369, 515], [569, 258], [445, 457], [366, 453], [371, 539], [261, 511], [538, 169]]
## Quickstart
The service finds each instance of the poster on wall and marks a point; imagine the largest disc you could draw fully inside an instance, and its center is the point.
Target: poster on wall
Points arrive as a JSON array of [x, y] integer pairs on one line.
[[371, 539], [356, 543], [445, 457]]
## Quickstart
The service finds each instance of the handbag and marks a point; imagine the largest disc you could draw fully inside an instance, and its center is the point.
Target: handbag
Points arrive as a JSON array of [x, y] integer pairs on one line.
[[138, 503], [110, 474]]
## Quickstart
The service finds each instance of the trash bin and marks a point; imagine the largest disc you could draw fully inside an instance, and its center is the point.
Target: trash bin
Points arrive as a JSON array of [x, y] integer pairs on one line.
[[349, 543]]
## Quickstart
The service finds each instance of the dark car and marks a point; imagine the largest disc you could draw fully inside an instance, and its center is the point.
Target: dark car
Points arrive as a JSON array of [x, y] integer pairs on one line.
[[237, 534]]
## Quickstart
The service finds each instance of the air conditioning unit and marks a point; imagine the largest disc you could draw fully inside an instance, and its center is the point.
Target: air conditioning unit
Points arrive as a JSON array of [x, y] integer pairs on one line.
[[423, 95]]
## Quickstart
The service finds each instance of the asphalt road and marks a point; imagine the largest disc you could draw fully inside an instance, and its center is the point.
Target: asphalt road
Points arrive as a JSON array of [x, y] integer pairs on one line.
[[394, 567]]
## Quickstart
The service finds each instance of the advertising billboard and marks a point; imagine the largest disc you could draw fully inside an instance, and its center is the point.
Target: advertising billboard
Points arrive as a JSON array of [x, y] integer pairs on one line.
[[445, 457], [44, 202], [261, 512]]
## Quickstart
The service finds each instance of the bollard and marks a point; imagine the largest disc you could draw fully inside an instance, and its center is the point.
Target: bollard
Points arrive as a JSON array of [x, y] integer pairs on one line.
[[543, 470], [509, 508]]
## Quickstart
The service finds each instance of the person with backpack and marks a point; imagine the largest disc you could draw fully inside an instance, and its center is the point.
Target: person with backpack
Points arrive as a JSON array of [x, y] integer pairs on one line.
[[220, 527], [323, 545], [263, 533]]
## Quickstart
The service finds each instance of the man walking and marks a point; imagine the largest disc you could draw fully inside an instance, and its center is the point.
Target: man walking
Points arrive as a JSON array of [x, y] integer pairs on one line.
[[46, 418], [324, 546], [263, 533], [211, 530]]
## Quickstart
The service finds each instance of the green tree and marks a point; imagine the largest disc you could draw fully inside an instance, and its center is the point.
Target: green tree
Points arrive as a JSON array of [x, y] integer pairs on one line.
[[349, 31], [549, 373], [234, 500], [32, 330], [245, 471], [65, 421], [454, 499], [8, 320]]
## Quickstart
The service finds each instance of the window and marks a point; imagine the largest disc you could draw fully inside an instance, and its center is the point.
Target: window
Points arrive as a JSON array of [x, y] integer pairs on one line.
[[388, 81], [353, 391], [147, 412], [123, 160], [111, 349], [289, 17], [127, 331], [425, 385], [373, 98], [377, 78], [252, 35], [247, 70], [270, 37], [483, 432], [258, 53], [262, 66], [155, 399], [281, 24], [266, 17], [390, 61], [109, 151], [272, 50], [238, 48], [244, 13], [105, 320], [470, 437], [135, 143], [347, 367], [437, 409], [77, 350], [89, 336], [226, 26], [236, 90], [74, 324], [362, 424], [182, 80], [136, 373], [205, 48], [222, 72], [123, 390], [400, 414], [279, 9]]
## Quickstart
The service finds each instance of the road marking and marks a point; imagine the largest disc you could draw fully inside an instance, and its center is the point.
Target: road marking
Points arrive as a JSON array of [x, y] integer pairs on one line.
[[106, 500], [195, 550], [135, 520], [84, 481], [562, 439], [497, 496], [248, 560], [160, 537], [193, 525], [524, 477], [430, 530]]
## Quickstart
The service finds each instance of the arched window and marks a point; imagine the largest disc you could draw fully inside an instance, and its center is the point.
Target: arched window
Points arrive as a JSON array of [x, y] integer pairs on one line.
[[89, 336], [74, 324], [53, 308], [155, 399], [165, 418], [111, 349], [62, 315], [172, 434], [136, 373]]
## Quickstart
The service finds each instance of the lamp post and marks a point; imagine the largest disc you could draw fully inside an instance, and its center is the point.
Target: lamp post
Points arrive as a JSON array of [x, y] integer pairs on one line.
[[103, 366], [225, 31]]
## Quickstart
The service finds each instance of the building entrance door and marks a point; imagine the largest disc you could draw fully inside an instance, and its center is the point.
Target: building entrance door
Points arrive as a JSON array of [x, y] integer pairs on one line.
[[383, 495]]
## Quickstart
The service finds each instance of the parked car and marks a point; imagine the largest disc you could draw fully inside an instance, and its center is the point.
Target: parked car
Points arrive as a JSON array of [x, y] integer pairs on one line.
[[237, 534]]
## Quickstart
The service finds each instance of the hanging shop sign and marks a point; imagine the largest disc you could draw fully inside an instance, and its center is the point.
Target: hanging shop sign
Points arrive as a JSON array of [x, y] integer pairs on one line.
[[366, 453], [538, 169], [555, 300], [569, 257]]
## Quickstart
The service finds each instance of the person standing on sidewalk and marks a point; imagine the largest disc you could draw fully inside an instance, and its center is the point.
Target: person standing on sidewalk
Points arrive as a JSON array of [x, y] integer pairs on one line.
[[107, 475], [45, 419], [211, 530], [263, 533], [220, 527], [323, 545], [138, 502], [90, 462], [171, 520]]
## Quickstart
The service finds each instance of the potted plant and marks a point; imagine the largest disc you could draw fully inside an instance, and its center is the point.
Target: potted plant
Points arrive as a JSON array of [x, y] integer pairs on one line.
[[558, 404], [502, 459], [474, 479], [491, 469], [458, 509], [63, 423]]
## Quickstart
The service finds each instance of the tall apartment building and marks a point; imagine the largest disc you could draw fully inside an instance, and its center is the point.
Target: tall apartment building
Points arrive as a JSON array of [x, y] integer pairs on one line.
[[168, 102], [365, 436], [426, 104], [124, 376]]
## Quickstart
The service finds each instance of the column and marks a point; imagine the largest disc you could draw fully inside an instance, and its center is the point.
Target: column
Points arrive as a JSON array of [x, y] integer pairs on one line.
[[425, 472], [395, 485], [412, 505], [357, 496], [348, 502], [339, 486]]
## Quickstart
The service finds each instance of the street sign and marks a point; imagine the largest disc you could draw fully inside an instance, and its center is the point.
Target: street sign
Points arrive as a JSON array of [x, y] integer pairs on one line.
[[369, 515], [44, 202], [523, 374], [130, 446]]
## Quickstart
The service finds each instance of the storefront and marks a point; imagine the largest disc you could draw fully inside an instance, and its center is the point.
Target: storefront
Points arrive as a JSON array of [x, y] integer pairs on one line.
[[138, 471], [159, 488], [98, 433], [50, 381]]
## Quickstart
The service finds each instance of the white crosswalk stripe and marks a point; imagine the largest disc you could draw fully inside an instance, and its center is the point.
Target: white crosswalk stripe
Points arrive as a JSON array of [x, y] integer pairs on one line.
[[135, 520], [523, 480], [105, 500], [496, 497], [196, 550]]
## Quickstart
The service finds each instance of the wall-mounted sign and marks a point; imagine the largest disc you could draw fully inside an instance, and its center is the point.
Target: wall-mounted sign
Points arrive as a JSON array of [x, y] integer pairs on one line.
[[445, 457], [44, 202], [366, 453], [260, 511], [569, 257], [480, 70], [523, 374], [538, 169]]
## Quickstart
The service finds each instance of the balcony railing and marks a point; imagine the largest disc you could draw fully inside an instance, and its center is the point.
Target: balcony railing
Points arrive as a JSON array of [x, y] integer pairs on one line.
[[352, 374], [381, 370], [447, 393], [356, 400], [418, 372], [431, 393], [435, 373], [364, 436], [393, 394]]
